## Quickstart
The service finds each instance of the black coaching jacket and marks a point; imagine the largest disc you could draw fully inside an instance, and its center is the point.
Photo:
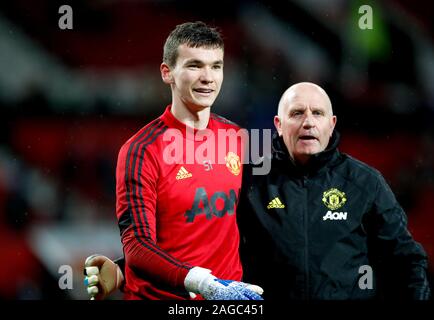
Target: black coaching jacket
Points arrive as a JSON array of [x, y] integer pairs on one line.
[[329, 230]]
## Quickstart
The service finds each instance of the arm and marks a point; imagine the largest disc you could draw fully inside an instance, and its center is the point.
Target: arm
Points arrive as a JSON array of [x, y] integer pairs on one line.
[[405, 259], [136, 189], [136, 179], [104, 276]]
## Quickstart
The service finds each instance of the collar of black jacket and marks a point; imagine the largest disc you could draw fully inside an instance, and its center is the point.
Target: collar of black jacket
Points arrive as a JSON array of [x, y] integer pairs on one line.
[[316, 161]]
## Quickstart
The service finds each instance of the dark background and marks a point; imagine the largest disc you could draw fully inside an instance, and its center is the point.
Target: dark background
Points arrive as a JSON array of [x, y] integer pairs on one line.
[[70, 98]]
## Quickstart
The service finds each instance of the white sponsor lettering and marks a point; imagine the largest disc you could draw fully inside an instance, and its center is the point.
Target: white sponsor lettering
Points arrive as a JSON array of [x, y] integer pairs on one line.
[[335, 215]]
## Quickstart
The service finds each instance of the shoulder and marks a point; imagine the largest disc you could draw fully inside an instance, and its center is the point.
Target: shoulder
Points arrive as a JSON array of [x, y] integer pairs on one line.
[[144, 138], [359, 165], [223, 122], [359, 172]]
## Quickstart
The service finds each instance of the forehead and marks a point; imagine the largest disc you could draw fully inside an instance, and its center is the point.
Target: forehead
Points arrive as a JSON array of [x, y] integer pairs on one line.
[[204, 54], [307, 99]]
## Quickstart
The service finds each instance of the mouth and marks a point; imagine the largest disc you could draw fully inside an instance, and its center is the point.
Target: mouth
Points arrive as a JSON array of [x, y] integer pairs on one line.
[[204, 91], [307, 137]]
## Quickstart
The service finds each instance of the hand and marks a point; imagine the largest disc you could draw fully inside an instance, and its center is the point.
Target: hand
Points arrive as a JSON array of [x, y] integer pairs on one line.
[[102, 276], [201, 281]]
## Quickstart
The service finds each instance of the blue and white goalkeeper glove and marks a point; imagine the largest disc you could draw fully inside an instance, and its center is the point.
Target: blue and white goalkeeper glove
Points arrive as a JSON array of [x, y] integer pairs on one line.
[[201, 281]]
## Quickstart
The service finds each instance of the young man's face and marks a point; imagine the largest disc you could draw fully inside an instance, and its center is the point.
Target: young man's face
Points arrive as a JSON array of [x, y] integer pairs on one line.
[[306, 123], [197, 77]]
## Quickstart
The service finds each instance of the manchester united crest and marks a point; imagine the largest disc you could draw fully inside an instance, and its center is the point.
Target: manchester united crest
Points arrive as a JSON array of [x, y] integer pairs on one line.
[[233, 163], [334, 199]]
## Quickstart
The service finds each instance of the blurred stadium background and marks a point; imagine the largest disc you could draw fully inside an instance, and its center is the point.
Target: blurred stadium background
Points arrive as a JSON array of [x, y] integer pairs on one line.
[[70, 98]]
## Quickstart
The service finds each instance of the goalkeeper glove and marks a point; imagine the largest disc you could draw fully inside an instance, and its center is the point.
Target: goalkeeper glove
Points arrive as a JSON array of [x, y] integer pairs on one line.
[[102, 276], [201, 281]]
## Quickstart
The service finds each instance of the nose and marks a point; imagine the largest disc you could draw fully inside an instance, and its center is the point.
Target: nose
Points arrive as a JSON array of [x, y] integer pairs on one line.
[[308, 121], [206, 75]]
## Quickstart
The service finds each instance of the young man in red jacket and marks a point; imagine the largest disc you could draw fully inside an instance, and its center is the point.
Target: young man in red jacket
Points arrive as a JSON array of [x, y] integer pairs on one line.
[[175, 203]]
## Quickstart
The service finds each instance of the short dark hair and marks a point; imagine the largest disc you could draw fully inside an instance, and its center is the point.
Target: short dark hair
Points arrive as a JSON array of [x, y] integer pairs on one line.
[[194, 35]]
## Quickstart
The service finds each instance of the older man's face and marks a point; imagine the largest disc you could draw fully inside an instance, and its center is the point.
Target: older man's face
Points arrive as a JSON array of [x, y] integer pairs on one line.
[[306, 122]]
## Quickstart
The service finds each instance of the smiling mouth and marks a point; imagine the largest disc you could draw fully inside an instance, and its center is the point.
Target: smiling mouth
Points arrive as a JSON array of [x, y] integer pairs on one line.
[[203, 91]]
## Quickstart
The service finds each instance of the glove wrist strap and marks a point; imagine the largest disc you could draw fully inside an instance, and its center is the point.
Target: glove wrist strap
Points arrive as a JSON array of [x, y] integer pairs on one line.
[[197, 278]]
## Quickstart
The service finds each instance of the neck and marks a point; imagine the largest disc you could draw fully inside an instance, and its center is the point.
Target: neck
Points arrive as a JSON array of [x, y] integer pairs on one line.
[[197, 119], [301, 159]]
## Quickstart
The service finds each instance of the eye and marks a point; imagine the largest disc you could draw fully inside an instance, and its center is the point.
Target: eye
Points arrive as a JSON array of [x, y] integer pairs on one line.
[[318, 113], [217, 67], [193, 66], [296, 113]]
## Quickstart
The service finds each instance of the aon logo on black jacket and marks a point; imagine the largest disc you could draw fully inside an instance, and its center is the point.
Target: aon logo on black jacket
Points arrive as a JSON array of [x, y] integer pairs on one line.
[[335, 215]]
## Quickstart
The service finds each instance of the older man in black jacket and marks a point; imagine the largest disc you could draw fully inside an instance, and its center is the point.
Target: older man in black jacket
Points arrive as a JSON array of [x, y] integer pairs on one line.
[[321, 224]]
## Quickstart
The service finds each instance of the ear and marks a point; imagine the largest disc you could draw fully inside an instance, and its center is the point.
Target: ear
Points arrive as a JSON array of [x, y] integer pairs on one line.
[[333, 124], [166, 73], [278, 125]]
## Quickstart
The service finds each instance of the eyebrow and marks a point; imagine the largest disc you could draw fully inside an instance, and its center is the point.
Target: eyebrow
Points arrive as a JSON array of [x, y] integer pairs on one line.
[[320, 109], [298, 107], [201, 62]]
